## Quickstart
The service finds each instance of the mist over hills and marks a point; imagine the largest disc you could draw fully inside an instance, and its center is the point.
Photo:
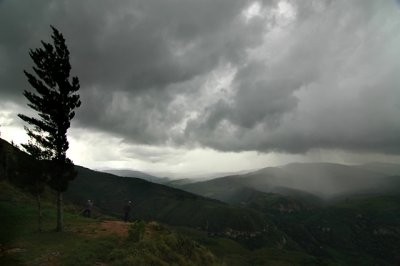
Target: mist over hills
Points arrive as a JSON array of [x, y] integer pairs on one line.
[[324, 180], [383, 168], [170, 179], [136, 174]]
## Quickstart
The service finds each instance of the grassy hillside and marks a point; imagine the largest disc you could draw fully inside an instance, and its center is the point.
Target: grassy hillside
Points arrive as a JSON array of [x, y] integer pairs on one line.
[[282, 226], [161, 203], [88, 241], [110, 242], [150, 201]]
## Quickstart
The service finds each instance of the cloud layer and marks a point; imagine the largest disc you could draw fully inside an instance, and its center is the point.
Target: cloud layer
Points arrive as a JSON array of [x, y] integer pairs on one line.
[[287, 76]]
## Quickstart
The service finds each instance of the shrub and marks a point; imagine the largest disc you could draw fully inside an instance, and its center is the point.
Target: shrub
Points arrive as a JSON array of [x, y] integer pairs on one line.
[[136, 231]]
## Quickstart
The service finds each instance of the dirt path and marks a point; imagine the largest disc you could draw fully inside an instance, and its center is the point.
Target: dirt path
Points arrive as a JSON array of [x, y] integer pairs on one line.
[[118, 228], [106, 228]]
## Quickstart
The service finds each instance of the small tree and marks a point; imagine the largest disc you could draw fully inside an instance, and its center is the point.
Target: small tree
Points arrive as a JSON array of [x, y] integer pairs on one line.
[[54, 101]]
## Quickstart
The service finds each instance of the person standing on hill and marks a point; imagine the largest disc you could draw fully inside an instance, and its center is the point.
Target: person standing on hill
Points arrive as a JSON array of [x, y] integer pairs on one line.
[[127, 210], [88, 210]]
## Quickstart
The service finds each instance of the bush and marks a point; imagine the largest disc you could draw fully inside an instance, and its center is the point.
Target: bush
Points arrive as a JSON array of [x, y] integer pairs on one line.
[[136, 231]]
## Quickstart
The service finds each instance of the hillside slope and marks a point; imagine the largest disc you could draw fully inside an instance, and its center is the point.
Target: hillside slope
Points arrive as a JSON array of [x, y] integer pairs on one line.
[[157, 202], [324, 180], [88, 241], [150, 201]]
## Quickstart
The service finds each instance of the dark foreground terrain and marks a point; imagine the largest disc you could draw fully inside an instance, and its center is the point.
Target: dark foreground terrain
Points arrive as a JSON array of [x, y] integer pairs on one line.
[[247, 226]]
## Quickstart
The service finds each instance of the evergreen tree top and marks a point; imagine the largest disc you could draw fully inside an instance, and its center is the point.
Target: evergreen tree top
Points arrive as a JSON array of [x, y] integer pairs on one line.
[[54, 98]]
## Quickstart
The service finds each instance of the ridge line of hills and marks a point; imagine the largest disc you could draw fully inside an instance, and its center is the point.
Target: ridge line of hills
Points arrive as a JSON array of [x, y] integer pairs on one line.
[[322, 180], [319, 213], [150, 201]]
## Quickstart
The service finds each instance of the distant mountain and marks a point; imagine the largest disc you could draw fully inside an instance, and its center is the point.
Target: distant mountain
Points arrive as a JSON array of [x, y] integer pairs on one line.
[[137, 174], [180, 182], [208, 176], [325, 180], [282, 201], [383, 168]]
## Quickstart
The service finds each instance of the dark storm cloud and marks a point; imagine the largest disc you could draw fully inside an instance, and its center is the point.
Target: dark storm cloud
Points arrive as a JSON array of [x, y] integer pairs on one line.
[[287, 76], [136, 50], [330, 82], [129, 45]]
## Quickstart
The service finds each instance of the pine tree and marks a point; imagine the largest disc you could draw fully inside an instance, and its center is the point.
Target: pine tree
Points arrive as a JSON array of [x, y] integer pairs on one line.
[[54, 100]]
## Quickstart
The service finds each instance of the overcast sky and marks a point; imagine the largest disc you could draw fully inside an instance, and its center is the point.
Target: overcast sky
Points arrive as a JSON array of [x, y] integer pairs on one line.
[[191, 87]]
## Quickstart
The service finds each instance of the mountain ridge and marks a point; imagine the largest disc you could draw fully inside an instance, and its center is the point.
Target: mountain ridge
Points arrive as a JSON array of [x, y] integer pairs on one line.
[[137, 174], [151, 201], [325, 180]]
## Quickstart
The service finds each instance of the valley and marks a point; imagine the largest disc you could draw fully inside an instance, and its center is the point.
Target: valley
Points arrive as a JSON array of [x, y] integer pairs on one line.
[[266, 217]]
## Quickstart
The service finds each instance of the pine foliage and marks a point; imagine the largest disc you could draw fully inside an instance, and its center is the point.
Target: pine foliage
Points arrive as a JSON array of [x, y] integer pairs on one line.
[[54, 100]]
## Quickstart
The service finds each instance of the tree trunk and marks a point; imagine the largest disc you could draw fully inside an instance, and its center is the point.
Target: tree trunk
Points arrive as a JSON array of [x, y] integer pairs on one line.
[[40, 227], [60, 218]]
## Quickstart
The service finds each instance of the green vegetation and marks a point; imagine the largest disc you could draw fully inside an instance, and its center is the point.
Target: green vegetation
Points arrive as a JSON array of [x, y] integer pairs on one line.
[[157, 245], [161, 203], [86, 241], [22, 243], [233, 253], [359, 231], [136, 231], [256, 228]]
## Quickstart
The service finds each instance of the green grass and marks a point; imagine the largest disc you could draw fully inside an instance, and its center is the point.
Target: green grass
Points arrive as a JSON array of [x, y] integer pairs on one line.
[[167, 246], [19, 236], [22, 244]]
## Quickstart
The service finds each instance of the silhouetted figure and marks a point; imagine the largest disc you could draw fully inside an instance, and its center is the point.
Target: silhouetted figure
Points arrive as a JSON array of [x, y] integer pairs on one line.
[[127, 210], [88, 209]]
